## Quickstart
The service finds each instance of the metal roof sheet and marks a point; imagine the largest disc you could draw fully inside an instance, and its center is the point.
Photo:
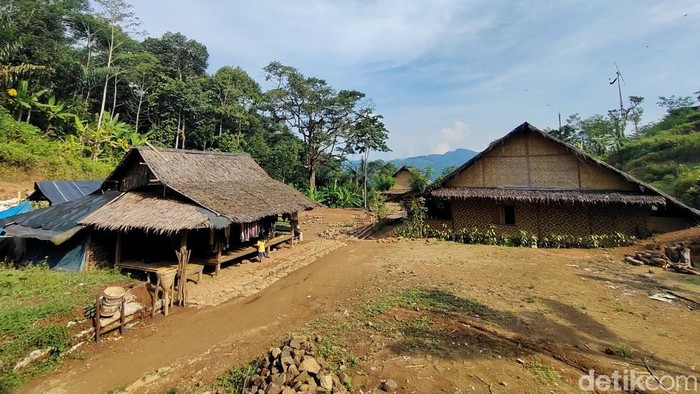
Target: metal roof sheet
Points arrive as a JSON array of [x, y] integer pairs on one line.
[[59, 192]]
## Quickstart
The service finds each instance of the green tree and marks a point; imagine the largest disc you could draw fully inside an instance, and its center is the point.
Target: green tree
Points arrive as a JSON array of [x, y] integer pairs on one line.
[[180, 99], [235, 95], [672, 103], [368, 134], [120, 21], [320, 114]]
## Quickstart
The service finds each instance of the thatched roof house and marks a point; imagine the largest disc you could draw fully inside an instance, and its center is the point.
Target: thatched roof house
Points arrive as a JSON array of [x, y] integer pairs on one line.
[[159, 200], [402, 185], [168, 190], [529, 180]]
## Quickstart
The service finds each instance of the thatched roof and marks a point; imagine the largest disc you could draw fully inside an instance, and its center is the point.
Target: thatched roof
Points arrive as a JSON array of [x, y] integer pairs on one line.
[[548, 196], [645, 190], [151, 212], [227, 184]]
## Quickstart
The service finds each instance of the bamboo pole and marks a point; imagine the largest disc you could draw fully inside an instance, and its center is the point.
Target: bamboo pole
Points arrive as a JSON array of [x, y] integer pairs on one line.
[[118, 251]]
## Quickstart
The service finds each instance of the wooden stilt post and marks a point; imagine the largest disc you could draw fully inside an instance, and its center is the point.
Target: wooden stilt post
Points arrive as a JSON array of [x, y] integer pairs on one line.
[[118, 251]]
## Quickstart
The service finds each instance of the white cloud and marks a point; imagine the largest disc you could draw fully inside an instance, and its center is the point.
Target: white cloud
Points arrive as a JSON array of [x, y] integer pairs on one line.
[[425, 63], [452, 138]]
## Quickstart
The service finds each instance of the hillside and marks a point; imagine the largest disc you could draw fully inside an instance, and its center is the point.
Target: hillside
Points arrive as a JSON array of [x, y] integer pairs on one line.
[[437, 162], [667, 155], [27, 155]]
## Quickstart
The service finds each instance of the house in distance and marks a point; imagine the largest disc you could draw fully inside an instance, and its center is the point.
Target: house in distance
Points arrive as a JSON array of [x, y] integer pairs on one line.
[[529, 180], [402, 185]]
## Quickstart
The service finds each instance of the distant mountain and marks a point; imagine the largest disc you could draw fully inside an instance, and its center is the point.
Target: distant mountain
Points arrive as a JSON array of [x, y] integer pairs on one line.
[[437, 162]]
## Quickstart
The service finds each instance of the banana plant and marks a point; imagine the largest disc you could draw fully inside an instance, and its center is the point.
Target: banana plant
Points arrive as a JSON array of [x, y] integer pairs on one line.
[[24, 100]]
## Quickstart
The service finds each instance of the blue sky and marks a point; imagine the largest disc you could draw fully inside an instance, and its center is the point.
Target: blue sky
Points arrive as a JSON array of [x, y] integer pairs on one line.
[[449, 74]]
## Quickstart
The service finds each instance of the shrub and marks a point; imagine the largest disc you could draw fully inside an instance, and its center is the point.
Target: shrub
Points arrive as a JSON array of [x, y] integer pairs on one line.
[[489, 236]]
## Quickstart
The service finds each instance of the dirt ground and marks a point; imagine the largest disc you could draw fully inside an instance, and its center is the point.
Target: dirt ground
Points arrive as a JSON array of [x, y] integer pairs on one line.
[[433, 316], [10, 189]]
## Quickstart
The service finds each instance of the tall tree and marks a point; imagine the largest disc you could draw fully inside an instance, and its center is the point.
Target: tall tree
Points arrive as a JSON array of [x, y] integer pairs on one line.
[[368, 134], [235, 94], [120, 22], [180, 94], [312, 108]]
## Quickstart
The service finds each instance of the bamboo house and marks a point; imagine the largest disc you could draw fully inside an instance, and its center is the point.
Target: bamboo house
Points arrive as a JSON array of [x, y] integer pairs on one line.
[[529, 180], [160, 200]]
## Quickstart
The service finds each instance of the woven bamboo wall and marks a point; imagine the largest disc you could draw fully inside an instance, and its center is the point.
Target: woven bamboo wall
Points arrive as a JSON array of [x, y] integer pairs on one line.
[[505, 171], [594, 177], [403, 181], [536, 162], [471, 177], [550, 219], [554, 172]]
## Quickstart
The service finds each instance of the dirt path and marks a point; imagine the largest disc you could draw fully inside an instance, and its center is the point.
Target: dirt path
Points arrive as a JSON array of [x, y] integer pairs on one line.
[[188, 337], [242, 280]]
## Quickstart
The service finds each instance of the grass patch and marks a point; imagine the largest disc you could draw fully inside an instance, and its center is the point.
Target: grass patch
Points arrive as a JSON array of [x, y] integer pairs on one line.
[[544, 373], [335, 355], [421, 323], [232, 381], [622, 349], [35, 305]]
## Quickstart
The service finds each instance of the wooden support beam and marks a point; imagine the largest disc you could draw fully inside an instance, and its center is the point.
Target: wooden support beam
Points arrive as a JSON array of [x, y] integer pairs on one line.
[[118, 251]]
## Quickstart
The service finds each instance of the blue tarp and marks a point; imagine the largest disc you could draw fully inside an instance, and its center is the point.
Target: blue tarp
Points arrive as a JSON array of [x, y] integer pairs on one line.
[[69, 256], [16, 210]]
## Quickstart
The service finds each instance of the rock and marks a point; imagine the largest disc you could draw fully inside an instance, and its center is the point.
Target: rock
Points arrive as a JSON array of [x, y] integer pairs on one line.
[[297, 342], [302, 377], [293, 370], [273, 389], [288, 390], [275, 352], [278, 379], [312, 384], [326, 382], [287, 360], [504, 384], [310, 365], [389, 385]]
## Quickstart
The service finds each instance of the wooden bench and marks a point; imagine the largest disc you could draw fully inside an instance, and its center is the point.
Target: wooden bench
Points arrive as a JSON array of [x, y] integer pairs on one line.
[[234, 254]]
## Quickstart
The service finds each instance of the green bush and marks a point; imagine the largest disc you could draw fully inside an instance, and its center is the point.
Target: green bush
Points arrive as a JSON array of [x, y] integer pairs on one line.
[[489, 236]]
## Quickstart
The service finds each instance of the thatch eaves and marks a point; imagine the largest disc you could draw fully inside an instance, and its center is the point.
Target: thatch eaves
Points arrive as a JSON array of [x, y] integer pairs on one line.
[[548, 196], [644, 188], [152, 213]]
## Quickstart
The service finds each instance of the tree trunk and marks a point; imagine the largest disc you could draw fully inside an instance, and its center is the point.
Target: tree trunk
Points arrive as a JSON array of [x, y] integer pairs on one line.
[[364, 178], [312, 177], [114, 99], [177, 131], [138, 113], [104, 90]]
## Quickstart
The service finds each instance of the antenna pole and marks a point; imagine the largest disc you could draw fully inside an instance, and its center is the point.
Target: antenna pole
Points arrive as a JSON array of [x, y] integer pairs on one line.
[[619, 91], [559, 120]]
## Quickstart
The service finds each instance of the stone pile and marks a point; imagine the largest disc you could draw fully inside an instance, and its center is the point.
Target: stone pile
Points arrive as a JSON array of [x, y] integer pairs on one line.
[[294, 368]]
